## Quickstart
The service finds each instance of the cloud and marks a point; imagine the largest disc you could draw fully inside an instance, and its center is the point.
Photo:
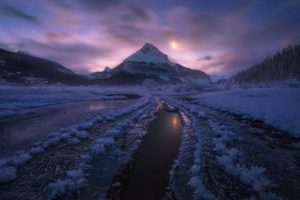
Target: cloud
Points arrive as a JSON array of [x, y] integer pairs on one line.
[[124, 34], [98, 5], [236, 38], [205, 58], [129, 25], [134, 13], [223, 38], [14, 12], [78, 55], [59, 36]]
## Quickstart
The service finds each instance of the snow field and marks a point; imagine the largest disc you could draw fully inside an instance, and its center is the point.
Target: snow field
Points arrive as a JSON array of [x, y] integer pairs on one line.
[[229, 157], [278, 107]]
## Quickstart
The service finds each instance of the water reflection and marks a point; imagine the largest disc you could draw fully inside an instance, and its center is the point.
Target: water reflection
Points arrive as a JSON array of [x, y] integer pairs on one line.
[[96, 106], [175, 122], [150, 174]]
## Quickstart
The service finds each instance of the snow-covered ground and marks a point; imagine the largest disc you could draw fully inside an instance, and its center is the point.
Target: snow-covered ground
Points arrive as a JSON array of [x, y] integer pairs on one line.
[[14, 99], [220, 156], [279, 107], [233, 158]]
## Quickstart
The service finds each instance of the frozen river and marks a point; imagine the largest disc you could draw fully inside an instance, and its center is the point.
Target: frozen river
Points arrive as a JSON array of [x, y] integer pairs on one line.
[[20, 131]]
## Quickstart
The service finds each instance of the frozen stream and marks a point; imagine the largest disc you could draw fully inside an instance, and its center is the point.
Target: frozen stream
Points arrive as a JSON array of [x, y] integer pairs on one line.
[[21, 131]]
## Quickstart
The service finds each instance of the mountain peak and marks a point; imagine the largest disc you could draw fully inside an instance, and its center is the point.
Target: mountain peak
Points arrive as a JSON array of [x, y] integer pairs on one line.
[[149, 54], [107, 69], [149, 47]]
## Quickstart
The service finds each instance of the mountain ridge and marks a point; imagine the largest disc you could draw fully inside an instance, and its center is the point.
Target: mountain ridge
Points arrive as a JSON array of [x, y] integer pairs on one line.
[[23, 68], [146, 64]]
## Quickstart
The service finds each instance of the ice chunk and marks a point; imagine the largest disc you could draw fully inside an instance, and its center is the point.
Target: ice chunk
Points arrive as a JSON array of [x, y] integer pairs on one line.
[[51, 141], [35, 150], [73, 141], [201, 114], [86, 125], [74, 182], [7, 173], [65, 135], [56, 189], [98, 149], [75, 174], [20, 159], [200, 191], [82, 134], [255, 176]]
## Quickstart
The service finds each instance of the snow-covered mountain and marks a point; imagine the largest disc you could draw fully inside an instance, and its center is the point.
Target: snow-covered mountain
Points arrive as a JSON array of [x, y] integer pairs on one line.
[[149, 63], [149, 54]]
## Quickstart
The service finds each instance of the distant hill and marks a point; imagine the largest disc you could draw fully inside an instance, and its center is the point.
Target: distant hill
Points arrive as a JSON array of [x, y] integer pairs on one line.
[[22, 68], [149, 64], [283, 66]]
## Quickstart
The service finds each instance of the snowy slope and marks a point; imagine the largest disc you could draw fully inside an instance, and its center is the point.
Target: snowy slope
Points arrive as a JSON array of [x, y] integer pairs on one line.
[[278, 107], [149, 54], [22, 68]]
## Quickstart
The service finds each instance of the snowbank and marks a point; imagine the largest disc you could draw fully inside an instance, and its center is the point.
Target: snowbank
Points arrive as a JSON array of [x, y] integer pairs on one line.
[[7, 173], [192, 132], [279, 107]]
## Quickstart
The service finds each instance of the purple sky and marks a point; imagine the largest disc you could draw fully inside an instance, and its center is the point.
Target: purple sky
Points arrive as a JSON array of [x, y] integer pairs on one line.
[[215, 36]]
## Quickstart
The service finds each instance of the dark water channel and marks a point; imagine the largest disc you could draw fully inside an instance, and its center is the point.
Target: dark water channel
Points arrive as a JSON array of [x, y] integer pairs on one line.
[[149, 177]]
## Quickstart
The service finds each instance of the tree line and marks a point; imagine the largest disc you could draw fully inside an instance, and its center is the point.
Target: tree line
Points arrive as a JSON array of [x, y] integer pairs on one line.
[[282, 66]]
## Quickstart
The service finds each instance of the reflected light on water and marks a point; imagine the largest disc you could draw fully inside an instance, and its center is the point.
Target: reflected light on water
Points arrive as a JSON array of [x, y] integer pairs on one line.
[[96, 106], [175, 122]]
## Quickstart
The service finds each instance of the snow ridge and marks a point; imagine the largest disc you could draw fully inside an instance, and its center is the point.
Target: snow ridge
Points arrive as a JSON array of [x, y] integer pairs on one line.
[[189, 129]]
